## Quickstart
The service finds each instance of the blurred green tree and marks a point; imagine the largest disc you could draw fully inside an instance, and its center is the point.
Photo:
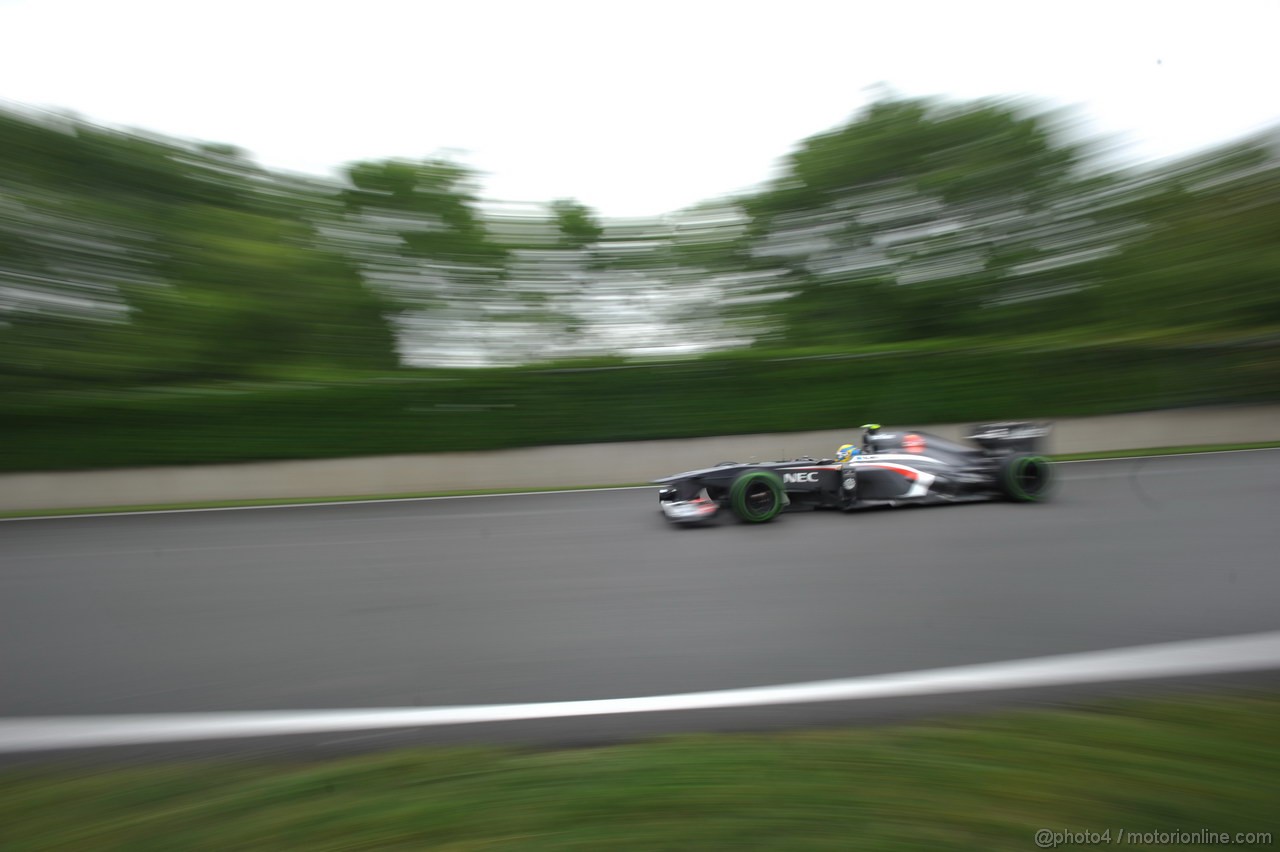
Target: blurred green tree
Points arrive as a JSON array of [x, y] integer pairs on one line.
[[415, 233], [918, 219], [126, 258], [1209, 246], [577, 224]]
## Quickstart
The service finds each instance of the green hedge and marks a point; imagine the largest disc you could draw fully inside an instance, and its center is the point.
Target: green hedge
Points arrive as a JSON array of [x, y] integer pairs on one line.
[[439, 411]]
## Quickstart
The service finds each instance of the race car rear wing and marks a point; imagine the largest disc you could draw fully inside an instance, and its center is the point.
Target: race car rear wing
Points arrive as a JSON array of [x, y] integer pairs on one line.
[[1011, 436]]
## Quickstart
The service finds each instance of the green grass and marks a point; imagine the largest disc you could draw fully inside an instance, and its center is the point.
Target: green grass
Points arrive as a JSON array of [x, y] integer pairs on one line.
[[1167, 451], [225, 504], [984, 782]]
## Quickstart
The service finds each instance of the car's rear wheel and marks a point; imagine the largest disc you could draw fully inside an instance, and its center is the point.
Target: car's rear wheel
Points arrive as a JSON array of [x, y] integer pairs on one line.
[[1025, 479], [757, 496]]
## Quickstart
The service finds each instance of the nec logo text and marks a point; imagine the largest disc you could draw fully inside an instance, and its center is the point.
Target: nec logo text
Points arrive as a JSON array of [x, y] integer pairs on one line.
[[807, 476]]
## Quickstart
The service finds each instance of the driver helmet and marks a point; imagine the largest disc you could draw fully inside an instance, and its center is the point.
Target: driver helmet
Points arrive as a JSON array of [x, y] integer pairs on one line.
[[846, 452]]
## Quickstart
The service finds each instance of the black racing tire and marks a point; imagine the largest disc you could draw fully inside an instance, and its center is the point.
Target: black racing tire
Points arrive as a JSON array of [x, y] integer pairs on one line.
[[757, 496], [1025, 478]]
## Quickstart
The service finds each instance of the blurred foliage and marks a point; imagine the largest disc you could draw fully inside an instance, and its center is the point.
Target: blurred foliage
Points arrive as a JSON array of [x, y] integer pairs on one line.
[[128, 259], [483, 409], [920, 221], [1208, 249], [576, 222], [145, 283]]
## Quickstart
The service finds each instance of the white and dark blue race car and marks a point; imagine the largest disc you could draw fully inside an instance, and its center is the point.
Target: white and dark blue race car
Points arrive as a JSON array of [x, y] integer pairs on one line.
[[890, 468]]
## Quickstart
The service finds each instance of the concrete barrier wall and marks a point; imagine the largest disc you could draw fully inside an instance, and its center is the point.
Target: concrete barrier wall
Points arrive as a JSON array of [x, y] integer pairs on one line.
[[566, 466]]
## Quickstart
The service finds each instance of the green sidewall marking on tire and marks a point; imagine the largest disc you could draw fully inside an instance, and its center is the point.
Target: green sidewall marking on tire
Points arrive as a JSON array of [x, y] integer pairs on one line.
[[738, 494], [1014, 477]]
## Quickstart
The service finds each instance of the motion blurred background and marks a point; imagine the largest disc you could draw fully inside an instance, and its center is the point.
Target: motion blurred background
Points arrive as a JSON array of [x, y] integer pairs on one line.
[[964, 246], [268, 229]]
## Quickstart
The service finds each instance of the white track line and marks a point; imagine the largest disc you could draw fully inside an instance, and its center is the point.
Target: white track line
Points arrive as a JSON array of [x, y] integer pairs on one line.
[[357, 502], [1252, 652], [316, 503]]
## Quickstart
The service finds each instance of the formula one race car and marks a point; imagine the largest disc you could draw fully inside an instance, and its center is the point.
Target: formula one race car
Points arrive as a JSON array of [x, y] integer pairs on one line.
[[890, 468]]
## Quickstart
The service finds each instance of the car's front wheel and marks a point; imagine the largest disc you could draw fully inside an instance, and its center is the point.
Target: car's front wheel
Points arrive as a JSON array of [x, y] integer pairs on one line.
[[757, 496]]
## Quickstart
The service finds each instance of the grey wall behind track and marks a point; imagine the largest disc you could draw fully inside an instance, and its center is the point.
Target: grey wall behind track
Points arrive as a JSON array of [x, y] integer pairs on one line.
[[568, 466]]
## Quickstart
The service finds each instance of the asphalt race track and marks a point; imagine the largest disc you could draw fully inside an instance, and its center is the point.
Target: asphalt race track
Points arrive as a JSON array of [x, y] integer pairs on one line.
[[586, 595]]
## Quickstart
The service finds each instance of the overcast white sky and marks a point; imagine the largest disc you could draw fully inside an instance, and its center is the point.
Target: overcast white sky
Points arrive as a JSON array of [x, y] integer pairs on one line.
[[634, 108]]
